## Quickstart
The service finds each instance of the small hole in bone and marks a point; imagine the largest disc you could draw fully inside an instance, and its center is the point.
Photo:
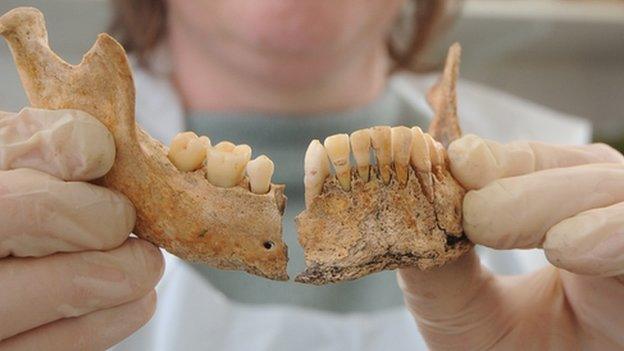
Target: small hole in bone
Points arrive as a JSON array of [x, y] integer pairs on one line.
[[268, 245]]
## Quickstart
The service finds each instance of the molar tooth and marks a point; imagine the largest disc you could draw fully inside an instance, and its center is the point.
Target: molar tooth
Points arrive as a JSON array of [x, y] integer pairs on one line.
[[381, 137], [225, 146], [225, 164], [187, 152], [338, 150], [260, 170], [204, 141], [316, 169], [420, 155], [245, 151], [360, 145], [401, 147]]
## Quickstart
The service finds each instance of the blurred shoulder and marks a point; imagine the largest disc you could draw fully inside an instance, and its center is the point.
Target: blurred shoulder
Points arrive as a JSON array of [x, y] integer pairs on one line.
[[494, 114]]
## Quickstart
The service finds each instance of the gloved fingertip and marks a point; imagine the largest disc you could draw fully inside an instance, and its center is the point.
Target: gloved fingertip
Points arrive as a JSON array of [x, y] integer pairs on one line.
[[608, 154], [478, 222], [590, 243]]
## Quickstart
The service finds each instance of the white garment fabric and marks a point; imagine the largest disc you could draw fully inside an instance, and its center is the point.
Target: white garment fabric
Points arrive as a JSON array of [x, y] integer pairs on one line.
[[192, 315]]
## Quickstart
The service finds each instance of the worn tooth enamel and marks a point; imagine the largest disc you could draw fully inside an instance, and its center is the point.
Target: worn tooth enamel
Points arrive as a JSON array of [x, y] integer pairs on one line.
[[225, 146], [245, 151], [187, 152], [360, 146], [420, 156], [225, 164], [204, 141], [381, 140], [260, 170], [338, 150], [433, 150], [316, 169], [401, 147]]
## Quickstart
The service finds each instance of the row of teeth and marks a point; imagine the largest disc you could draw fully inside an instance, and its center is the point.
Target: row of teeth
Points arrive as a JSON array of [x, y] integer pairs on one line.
[[397, 147], [225, 164]]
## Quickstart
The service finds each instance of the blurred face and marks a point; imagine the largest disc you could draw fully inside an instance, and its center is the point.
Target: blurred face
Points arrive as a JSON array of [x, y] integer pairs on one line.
[[292, 39]]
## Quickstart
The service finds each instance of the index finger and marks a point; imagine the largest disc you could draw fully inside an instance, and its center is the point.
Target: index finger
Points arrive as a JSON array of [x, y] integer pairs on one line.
[[476, 162], [68, 144]]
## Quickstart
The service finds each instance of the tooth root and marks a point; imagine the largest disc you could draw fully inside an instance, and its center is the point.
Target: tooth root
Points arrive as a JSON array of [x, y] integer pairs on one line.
[[187, 152], [260, 170], [420, 156], [360, 145], [381, 139], [225, 164], [401, 147], [338, 150], [433, 151], [316, 169]]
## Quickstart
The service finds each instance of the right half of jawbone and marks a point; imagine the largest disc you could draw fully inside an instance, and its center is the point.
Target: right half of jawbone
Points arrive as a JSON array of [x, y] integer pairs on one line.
[[404, 211]]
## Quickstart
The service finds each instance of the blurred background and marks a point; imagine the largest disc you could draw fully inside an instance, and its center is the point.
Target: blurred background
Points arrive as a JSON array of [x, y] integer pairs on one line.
[[564, 54]]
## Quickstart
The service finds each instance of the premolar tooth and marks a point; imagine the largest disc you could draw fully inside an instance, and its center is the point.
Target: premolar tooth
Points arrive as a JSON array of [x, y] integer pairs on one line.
[[360, 145], [433, 151], [316, 169], [381, 138], [187, 152], [338, 150], [420, 156], [401, 146], [225, 164], [260, 170]]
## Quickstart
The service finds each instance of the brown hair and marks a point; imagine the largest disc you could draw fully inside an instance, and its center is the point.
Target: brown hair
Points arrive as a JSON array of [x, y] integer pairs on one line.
[[140, 25]]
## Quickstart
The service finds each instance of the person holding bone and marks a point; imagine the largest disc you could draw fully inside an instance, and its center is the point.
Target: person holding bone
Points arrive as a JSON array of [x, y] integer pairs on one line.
[[286, 91]]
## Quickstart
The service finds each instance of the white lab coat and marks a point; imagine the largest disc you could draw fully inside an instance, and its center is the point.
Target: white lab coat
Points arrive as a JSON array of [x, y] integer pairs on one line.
[[192, 315]]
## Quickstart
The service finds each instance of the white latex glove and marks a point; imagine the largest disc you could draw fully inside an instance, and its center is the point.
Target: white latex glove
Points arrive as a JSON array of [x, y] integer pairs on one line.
[[70, 278], [567, 200]]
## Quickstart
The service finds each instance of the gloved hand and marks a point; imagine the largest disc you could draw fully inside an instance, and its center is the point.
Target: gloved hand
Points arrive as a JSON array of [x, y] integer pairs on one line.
[[567, 200], [70, 278]]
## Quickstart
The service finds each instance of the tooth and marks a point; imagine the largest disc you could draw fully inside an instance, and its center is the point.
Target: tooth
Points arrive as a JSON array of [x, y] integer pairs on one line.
[[316, 169], [421, 161], [260, 170], [225, 164], [204, 141], [420, 151], [441, 153], [187, 152], [337, 147], [381, 138], [401, 146], [433, 151], [360, 145], [225, 146]]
